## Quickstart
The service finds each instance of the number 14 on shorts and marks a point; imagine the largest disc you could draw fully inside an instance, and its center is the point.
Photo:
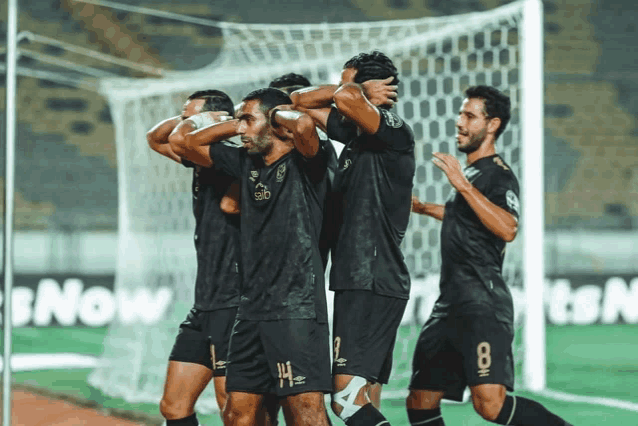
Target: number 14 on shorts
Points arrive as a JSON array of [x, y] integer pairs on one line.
[[285, 374]]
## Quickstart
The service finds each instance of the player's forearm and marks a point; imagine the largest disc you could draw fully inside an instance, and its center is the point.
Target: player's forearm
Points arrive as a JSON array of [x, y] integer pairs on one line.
[[212, 134], [314, 97], [352, 103], [318, 115], [436, 211], [496, 220], [158, 135], [303, 129]]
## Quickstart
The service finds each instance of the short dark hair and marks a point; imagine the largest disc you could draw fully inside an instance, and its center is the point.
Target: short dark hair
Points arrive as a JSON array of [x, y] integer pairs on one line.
[[290, 89], [215, 100], [269, 97], [290, 79], [373, 66], [496, 104]]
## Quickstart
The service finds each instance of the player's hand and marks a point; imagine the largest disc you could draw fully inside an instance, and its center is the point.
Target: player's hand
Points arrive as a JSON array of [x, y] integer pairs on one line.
[[380, 92], [452, 169], [218, 116]]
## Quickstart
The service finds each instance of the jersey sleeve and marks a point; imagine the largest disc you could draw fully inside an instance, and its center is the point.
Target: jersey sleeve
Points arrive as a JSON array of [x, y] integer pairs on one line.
[[228, 158], [316, 166], [394, 132], [338, 128], [504, 192], [188, 164]]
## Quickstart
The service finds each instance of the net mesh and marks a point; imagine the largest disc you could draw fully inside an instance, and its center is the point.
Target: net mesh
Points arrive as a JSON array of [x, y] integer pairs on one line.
[[437, 59]]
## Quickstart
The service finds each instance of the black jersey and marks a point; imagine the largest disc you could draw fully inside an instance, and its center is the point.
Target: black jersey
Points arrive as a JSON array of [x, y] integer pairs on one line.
[[328, 235], [472, 256], [374, 180], [216, 241], [281, 214]]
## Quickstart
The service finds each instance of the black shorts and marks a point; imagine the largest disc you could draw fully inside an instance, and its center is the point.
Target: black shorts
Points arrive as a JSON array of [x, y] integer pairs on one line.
[[203, 339], [282, 357], [365, 330], [459, 351]]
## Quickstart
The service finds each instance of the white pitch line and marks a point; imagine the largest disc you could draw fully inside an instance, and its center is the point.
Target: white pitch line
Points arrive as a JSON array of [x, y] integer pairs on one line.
[[30, 362], [608, 402]]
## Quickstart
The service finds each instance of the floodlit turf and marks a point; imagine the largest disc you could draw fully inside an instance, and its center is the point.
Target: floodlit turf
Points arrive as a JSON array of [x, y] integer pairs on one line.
[[584, 360]]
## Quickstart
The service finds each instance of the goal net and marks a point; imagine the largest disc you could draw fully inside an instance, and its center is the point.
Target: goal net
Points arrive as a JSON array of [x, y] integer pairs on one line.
[[437, 59]]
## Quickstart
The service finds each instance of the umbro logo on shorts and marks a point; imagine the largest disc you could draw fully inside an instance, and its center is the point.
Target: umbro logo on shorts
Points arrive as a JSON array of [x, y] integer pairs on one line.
[[341, 362], [220, 364]]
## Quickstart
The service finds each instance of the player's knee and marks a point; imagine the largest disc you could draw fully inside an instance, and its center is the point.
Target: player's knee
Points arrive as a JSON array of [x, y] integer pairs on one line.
[[172, 410], [235, 417], [423, 400], [487, 407], [349, 397]]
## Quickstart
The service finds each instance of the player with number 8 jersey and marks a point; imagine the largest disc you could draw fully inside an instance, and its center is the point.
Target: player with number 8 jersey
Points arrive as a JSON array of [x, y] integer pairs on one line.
[[467, 341]]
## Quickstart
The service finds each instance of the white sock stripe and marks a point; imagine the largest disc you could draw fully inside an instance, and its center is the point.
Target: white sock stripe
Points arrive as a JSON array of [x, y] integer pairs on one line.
[[513, 409], [385, 422], [427, 421]]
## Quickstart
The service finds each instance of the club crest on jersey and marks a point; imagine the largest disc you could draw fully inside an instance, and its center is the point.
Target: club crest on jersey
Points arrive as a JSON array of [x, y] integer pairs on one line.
[[512, 200], [391, 119], [253, 175], [261, 192], [281, 172]]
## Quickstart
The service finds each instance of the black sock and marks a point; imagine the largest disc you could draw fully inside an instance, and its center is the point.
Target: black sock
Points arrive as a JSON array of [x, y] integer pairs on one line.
[[431, 417], [367, 416], [525, 412], [186, 421]]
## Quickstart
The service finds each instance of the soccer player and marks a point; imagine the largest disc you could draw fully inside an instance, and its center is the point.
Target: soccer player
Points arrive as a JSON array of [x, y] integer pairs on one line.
[[289, 83], [200, 349], [280, 340], [467, 339], [368, 273]]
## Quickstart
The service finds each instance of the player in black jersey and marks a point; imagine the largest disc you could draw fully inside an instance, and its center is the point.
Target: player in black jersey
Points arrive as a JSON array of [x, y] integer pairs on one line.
[[201, 347], [289, 83], [280, 341], [467, 339], [368, 274]]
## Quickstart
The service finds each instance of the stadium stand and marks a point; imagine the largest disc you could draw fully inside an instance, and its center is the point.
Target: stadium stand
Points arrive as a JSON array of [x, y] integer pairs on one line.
[[590, 136]]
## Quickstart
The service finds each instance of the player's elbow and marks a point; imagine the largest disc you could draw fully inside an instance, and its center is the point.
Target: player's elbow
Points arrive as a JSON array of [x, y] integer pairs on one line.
[[150, 139], [295, 97], [178, 144], [347, 96], [509, 234], [229, 205]]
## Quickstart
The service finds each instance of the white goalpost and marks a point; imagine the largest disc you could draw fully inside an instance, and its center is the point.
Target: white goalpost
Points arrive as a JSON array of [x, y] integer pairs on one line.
[[437, 59]]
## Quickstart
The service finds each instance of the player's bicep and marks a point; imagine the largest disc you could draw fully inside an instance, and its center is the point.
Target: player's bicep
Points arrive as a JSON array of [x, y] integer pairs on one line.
[[352, 103], [319, 116]]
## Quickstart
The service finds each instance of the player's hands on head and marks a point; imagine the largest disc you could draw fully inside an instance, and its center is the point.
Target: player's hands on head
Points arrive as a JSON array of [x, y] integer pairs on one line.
[[218, 116], [452, 169], [380, 92]]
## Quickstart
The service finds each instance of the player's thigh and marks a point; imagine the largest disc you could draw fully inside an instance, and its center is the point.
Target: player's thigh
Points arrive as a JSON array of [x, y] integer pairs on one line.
[[365, 328], [247, 369], [437, 367], [184, 383], [486, 344], [298, 354], [306, 408]]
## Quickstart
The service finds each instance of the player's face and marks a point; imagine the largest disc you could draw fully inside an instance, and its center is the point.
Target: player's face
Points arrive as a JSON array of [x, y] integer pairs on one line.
[[253, 127], [192, 107], [471, 125]]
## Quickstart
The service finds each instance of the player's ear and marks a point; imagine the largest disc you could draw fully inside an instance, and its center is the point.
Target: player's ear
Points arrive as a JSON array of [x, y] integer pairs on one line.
[[493, 125]]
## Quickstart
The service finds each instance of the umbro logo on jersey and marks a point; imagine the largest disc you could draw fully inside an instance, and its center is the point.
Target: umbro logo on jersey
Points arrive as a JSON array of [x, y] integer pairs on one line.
[[281, 172], [253, 175], [347, 164], [261, 192], [471, 172]]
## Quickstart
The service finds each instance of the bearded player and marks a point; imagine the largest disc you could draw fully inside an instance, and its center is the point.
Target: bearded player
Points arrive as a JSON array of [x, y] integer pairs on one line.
[[467, 341], [280, 340]]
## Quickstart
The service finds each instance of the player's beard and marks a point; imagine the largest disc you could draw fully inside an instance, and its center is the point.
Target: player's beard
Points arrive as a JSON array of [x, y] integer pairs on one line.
[[259, 144], [475, 142]]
